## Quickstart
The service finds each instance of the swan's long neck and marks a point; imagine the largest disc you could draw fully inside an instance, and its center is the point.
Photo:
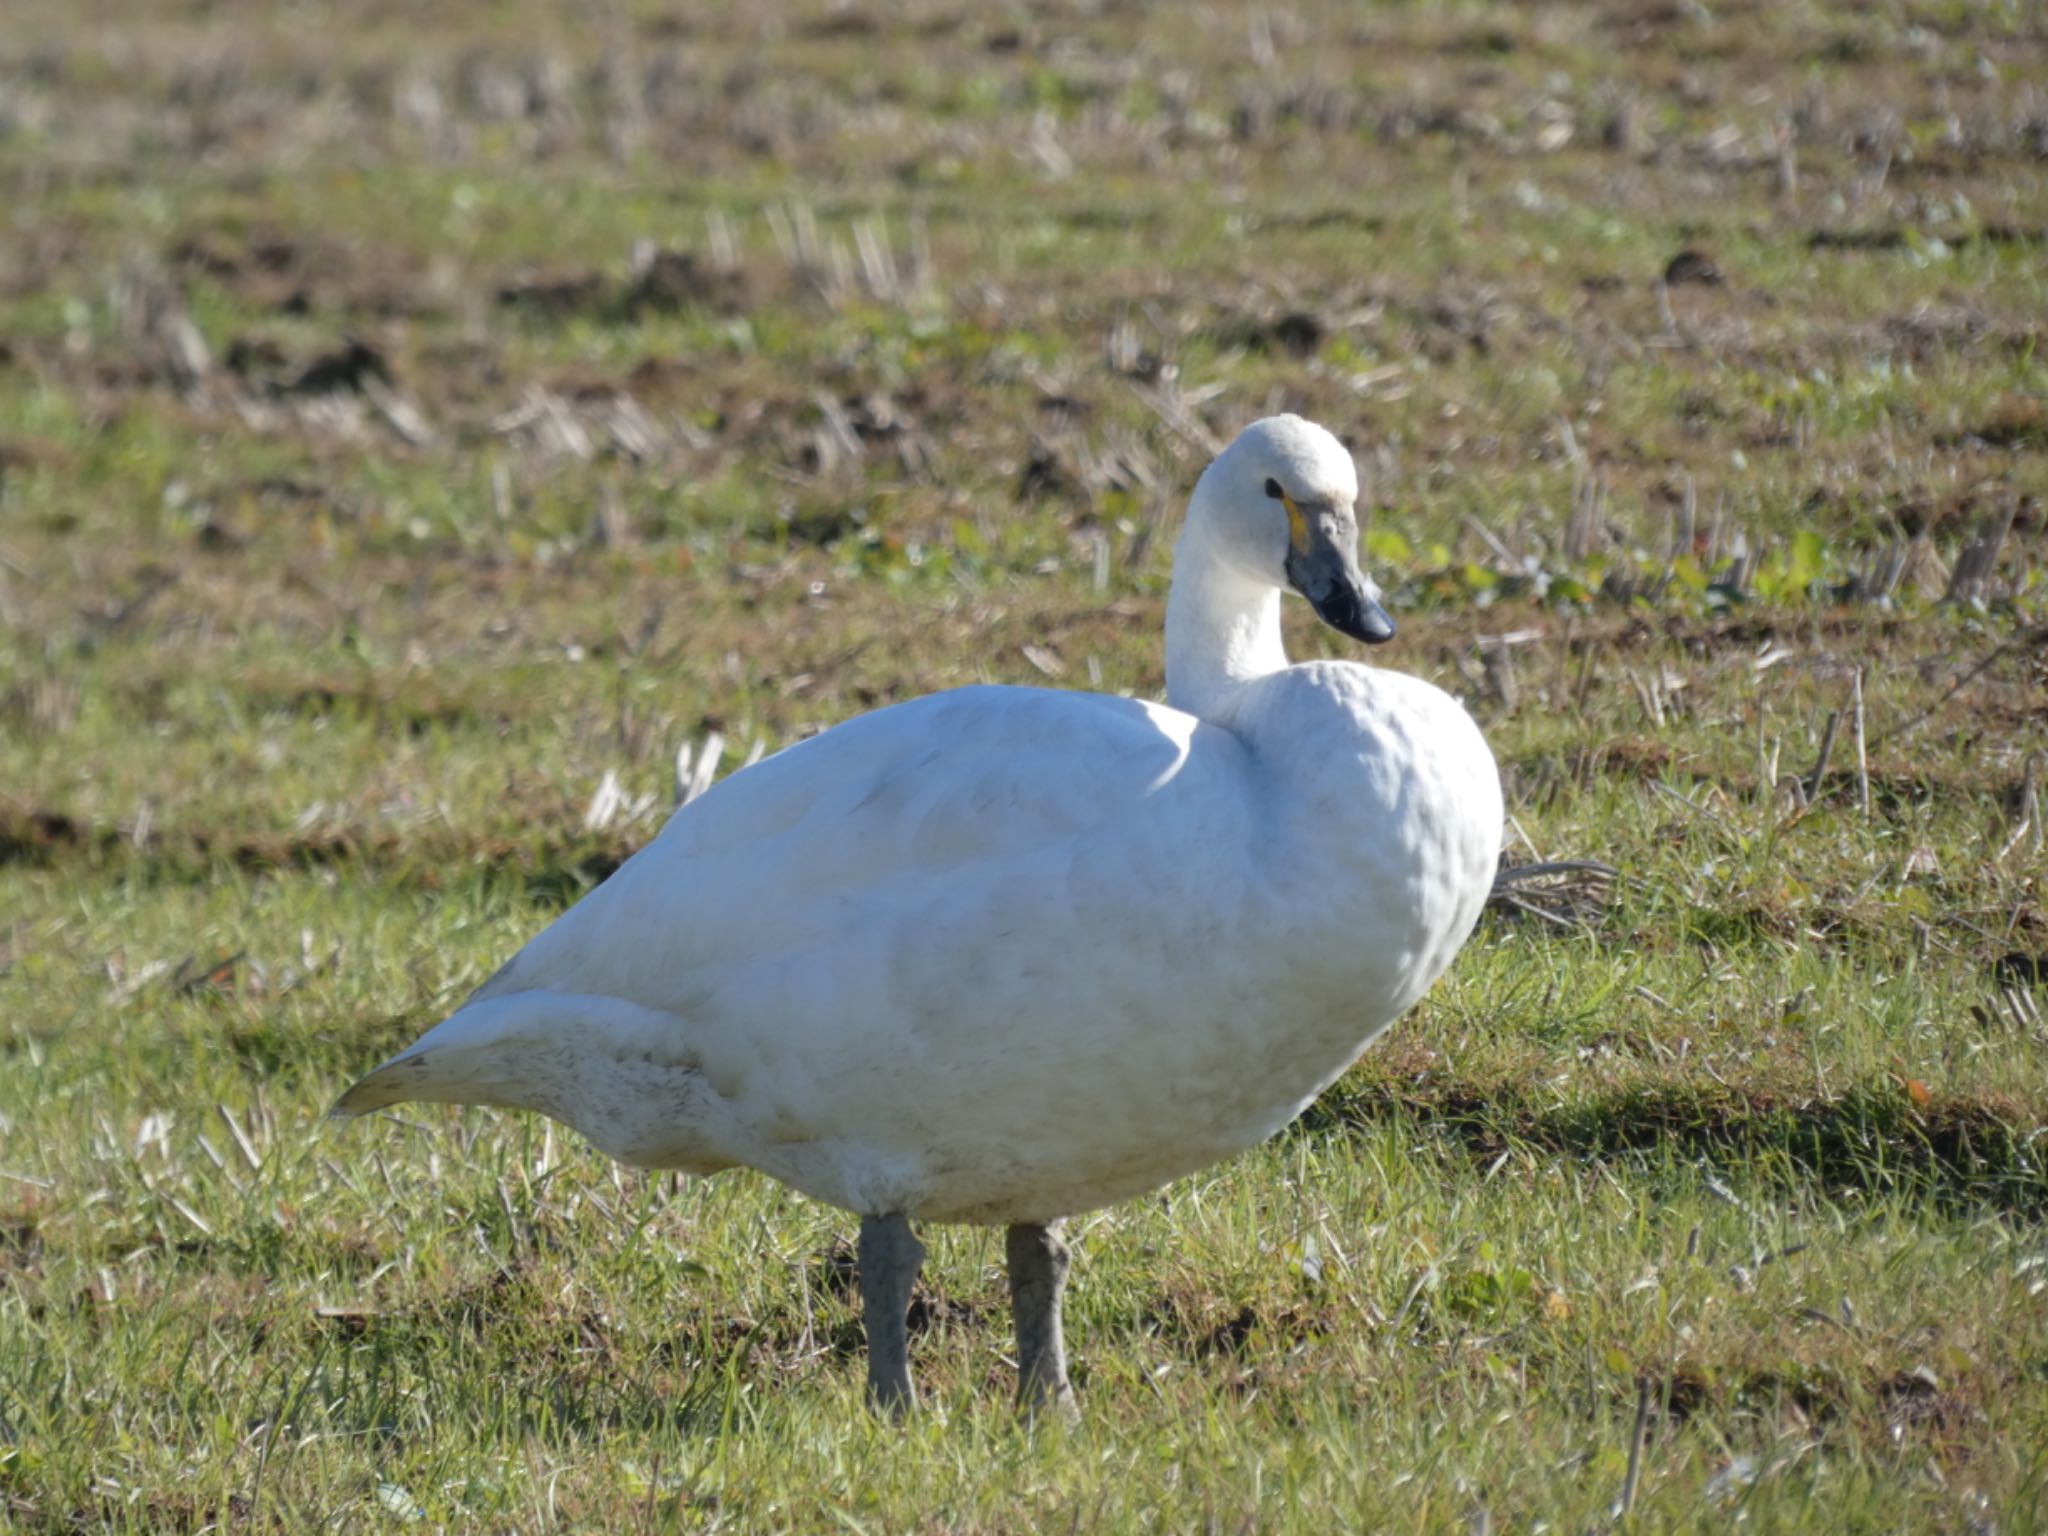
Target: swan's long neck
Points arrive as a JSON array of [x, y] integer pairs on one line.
[[1222, 626]]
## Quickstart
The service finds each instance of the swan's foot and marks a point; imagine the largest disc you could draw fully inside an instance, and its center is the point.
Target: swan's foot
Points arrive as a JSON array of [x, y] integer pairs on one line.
[[890, 1257], [1038, 1277]]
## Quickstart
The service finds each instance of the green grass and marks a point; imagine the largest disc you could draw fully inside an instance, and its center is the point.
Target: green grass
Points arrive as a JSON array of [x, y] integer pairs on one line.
[[302, 710]]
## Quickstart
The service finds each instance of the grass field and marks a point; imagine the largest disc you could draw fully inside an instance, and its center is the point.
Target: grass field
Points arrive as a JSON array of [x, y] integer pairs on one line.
[[418, 423]]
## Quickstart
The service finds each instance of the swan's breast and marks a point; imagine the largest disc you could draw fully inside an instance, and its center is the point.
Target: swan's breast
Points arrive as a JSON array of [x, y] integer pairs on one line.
[[1386, 809]]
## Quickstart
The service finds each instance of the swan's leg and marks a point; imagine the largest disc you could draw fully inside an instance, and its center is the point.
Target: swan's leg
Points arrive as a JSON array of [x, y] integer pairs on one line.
[[890, 1257], [1038, 1277]]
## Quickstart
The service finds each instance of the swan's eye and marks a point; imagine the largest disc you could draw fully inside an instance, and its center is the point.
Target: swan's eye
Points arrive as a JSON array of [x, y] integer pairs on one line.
[[1273, 490]]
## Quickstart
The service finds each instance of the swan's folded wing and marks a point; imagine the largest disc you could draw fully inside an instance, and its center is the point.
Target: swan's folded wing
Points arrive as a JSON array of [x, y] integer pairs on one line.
[[797, 848]]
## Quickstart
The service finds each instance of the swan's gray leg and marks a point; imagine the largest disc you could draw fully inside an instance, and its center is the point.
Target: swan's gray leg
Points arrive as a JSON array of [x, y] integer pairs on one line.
[[1038, 1276], [890, 1257]]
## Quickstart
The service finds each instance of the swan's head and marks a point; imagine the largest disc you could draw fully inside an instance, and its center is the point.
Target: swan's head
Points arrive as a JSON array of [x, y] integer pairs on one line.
[[1280, 505]]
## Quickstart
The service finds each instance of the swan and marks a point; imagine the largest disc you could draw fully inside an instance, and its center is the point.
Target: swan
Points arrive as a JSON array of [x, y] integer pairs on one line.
[[1004, 955]]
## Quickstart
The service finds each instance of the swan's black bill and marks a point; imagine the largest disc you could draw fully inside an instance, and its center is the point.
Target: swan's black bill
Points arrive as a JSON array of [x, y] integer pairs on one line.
[[1354, 613], [1327, 574]]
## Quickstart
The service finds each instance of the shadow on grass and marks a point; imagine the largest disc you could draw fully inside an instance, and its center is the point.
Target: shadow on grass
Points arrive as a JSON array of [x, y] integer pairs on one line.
[[1874, 1138]]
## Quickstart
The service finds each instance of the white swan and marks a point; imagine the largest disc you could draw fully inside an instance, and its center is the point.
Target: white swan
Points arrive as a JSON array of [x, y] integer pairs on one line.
[[1002, 955]]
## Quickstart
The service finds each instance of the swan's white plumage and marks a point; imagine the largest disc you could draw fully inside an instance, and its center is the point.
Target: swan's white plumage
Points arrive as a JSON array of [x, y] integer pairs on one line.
[[1005, 954]]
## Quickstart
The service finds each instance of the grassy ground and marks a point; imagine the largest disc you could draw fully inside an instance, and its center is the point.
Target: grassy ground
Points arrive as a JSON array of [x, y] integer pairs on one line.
[[415, 426]]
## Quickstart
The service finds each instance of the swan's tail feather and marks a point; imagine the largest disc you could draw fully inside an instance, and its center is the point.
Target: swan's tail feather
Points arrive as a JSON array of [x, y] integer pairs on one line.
[[521, 1050], [465, 1059], [398, 1081]]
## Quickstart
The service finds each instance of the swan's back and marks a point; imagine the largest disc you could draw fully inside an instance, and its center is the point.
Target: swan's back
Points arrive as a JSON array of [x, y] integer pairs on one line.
[[826, 846]]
